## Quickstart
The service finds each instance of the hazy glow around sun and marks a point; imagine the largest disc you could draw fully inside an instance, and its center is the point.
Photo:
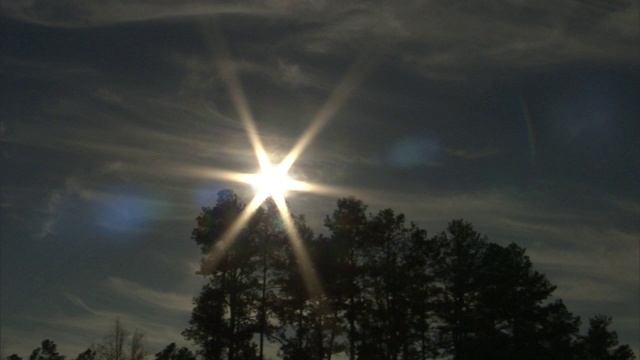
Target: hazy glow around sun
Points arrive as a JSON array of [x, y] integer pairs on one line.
[[272, 181], [275, 181]]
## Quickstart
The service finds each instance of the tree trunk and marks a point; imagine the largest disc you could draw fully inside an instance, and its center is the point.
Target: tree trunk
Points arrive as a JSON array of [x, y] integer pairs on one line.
[[263, 310]]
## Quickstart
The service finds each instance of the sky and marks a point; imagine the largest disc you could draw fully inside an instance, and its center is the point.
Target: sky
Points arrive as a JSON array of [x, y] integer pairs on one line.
[[117, 118]]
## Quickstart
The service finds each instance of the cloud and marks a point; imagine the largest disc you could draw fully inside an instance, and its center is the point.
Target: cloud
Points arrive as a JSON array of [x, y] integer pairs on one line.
[[78, 302], [83, 13], [58, 200], [604, 257], [431, 36], [472, 154], [51, 71], [139, 293], [46, 228]]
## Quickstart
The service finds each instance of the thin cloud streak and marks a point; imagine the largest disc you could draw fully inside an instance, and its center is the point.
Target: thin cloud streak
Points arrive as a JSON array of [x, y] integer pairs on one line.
[[139, 293], [88, 14]]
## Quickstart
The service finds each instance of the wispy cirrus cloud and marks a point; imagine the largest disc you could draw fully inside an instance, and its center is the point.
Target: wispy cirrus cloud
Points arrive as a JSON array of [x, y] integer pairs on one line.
[[82, 13], [443, 35], [55, 203], [140, 293]]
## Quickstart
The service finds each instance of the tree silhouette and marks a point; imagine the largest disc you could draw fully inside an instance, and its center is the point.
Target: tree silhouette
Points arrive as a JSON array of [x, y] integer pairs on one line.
[[390, 292], [89, 354], [171, 352], [387, 322], [459, 282], [348, 225], [329, 265], [421, 294], [231, 299], [113, 345], [493, 304], [512, 299], [116, 343], [601, 343], [208, 327], [47, 351], [271, 239], [301, 331]]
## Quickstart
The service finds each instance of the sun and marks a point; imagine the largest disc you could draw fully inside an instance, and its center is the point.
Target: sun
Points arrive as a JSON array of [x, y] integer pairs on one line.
[[273, 181]]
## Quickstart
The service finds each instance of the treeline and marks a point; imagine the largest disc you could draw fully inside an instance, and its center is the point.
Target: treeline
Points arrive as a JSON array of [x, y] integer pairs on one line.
[[389, 291], [118, 344]]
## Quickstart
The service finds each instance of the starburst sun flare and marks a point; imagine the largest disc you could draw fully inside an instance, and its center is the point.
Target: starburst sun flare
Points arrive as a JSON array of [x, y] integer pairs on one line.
[[273, 180]]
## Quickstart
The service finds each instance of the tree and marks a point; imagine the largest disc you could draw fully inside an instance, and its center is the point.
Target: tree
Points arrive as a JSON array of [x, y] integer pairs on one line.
[[512, 314], [390, 293], [348, 225], [13, 357], [231, 299], [557, 333], [171, 352], [113, 345], [330, 322], [208, 326], [270, 236], [456, 271], [306, 320], [137, 348], [89, 354], [46, 351], [602, 344], [116, 343], [386, 323], [492, 304]]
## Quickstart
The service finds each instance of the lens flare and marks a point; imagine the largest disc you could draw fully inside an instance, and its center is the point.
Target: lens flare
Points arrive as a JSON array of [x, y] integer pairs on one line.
[[526, 113], [273, 180]]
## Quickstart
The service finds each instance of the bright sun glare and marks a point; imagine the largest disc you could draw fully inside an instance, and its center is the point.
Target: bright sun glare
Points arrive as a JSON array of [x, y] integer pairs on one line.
[[273, 181]]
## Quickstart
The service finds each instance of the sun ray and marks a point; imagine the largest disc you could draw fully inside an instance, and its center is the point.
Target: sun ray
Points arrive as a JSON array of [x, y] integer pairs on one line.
[[338, 97], [333, 190], [305, 266], [229, 237], [227, 70], [273, 181], [213, 173]]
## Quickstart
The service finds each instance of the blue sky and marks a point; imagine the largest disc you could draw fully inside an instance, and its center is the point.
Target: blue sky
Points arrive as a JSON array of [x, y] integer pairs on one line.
[[520, 117]]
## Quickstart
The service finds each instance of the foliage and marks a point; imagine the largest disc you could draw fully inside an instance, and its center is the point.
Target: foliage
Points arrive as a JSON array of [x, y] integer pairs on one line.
[[601, 343], [390, 292], [89, 354], [46, 351], [171, 352], [225, 317]]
